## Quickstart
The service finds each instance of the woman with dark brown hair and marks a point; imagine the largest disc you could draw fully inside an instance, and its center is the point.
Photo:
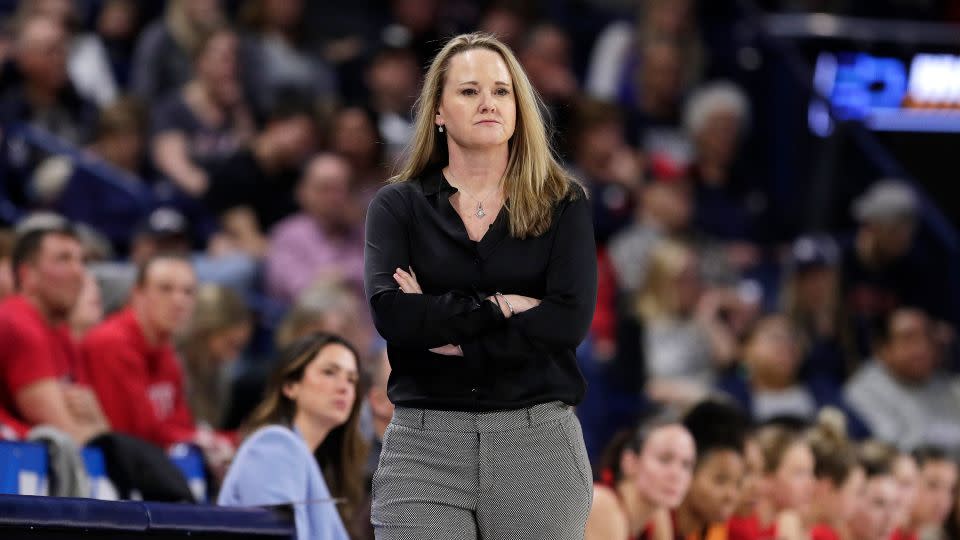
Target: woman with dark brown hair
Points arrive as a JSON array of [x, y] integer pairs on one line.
[[305, 446]]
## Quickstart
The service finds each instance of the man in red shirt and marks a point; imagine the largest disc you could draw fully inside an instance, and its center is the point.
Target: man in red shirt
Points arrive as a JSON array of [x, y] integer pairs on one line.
[[39, 363], [130, 357]]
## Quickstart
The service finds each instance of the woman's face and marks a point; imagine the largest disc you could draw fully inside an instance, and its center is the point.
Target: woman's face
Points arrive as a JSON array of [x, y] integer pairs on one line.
[[773, 353], [934, 498], [664, 467], [792, 483], [716, 484], [873, 516], [816, 288], [217, 65], [355, 136], [851, 493], [905, 474], [478, 107], [328, 388], [718, 138]]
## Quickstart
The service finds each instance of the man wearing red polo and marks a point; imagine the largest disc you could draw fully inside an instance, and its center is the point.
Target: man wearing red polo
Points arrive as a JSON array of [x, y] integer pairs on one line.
[[39, 363], [130, 357]]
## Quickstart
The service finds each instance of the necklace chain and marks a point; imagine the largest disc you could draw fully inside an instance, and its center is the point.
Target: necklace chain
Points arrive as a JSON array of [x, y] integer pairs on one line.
[[480, 213]]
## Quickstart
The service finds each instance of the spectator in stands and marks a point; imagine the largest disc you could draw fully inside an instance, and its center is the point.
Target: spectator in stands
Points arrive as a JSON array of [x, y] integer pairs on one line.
[[326, 306], [645, 471], [305, 439], [88, 311], [609, 168], [899, 394], [839, 477], [217, 334], [770, 388], [285, 61], [205, 121], [716, 117], [684, 336], [415, 23], [117, 25], [393, 78], [87, 61], [163, 60], [787, 486], [811, 298], [664, 212], [881, 271], [873, 516], [614, 68], [654, 110], [506, 20], [545, 53], [254, 188], [719, 430], [319, 242], [936, 489], [131, 360], [121, 137], [355, 137], [43, 98], [40, 374]]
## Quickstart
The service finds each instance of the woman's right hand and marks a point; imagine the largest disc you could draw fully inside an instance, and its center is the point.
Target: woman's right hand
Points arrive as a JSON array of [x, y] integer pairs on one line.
[[518, 302]]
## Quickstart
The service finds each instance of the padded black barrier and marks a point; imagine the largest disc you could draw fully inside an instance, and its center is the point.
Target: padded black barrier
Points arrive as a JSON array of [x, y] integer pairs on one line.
[[24, 516]]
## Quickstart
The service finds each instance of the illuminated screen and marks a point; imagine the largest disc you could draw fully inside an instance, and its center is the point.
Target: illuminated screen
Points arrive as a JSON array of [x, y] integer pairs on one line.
[[921, 93]]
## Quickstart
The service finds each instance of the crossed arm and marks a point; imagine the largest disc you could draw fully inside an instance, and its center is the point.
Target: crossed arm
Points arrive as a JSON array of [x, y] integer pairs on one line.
[[404, 315]]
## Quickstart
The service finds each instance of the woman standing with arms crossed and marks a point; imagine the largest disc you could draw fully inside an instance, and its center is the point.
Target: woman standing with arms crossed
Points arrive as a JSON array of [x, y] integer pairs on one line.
[[481, 275]]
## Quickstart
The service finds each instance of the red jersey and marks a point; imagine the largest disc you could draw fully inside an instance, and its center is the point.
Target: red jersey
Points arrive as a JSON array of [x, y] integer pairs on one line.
[[140, 386], [823, 532], [32, 350], [901, 534], [749, 528]]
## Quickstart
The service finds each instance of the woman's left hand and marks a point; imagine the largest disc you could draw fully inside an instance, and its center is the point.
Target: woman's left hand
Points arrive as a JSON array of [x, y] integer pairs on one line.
[[407, 281], [408, 284]]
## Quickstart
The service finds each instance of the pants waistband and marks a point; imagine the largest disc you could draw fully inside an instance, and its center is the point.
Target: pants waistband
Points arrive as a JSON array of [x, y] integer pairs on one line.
[[482, 422]]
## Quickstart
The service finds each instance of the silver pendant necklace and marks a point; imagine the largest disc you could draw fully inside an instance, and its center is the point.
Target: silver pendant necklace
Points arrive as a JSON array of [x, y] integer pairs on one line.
[[480, 213]]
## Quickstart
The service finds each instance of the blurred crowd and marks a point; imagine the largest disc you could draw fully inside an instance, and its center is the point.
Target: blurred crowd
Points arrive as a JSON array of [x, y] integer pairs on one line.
[[184, 184]]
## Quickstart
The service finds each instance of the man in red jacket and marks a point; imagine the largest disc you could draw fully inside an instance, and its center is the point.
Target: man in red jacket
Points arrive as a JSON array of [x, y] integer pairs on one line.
[[41, 377], [130, 357]]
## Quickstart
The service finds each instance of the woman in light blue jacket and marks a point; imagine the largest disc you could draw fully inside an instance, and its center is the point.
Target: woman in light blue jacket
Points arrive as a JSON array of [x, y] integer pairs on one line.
[[306, 429]]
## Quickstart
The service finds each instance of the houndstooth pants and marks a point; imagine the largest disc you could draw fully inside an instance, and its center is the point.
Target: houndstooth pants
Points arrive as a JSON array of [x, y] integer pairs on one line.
[[500, 475]]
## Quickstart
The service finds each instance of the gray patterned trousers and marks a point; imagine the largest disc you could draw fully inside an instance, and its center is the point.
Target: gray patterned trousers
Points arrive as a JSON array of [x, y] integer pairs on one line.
[[494, 476]]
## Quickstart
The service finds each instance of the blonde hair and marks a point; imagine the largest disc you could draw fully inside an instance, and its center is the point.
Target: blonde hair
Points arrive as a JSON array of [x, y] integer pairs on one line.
[[834, 455], [187, 33], [217, 309], [655, 298], [534, 180]]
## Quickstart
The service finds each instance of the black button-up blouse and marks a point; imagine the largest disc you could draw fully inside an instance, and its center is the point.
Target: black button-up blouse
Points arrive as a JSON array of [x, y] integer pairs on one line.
[[507, 363]]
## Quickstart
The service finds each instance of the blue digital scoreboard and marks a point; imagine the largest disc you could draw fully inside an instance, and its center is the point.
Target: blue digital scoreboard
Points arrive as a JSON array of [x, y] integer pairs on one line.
[[917, 94]]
